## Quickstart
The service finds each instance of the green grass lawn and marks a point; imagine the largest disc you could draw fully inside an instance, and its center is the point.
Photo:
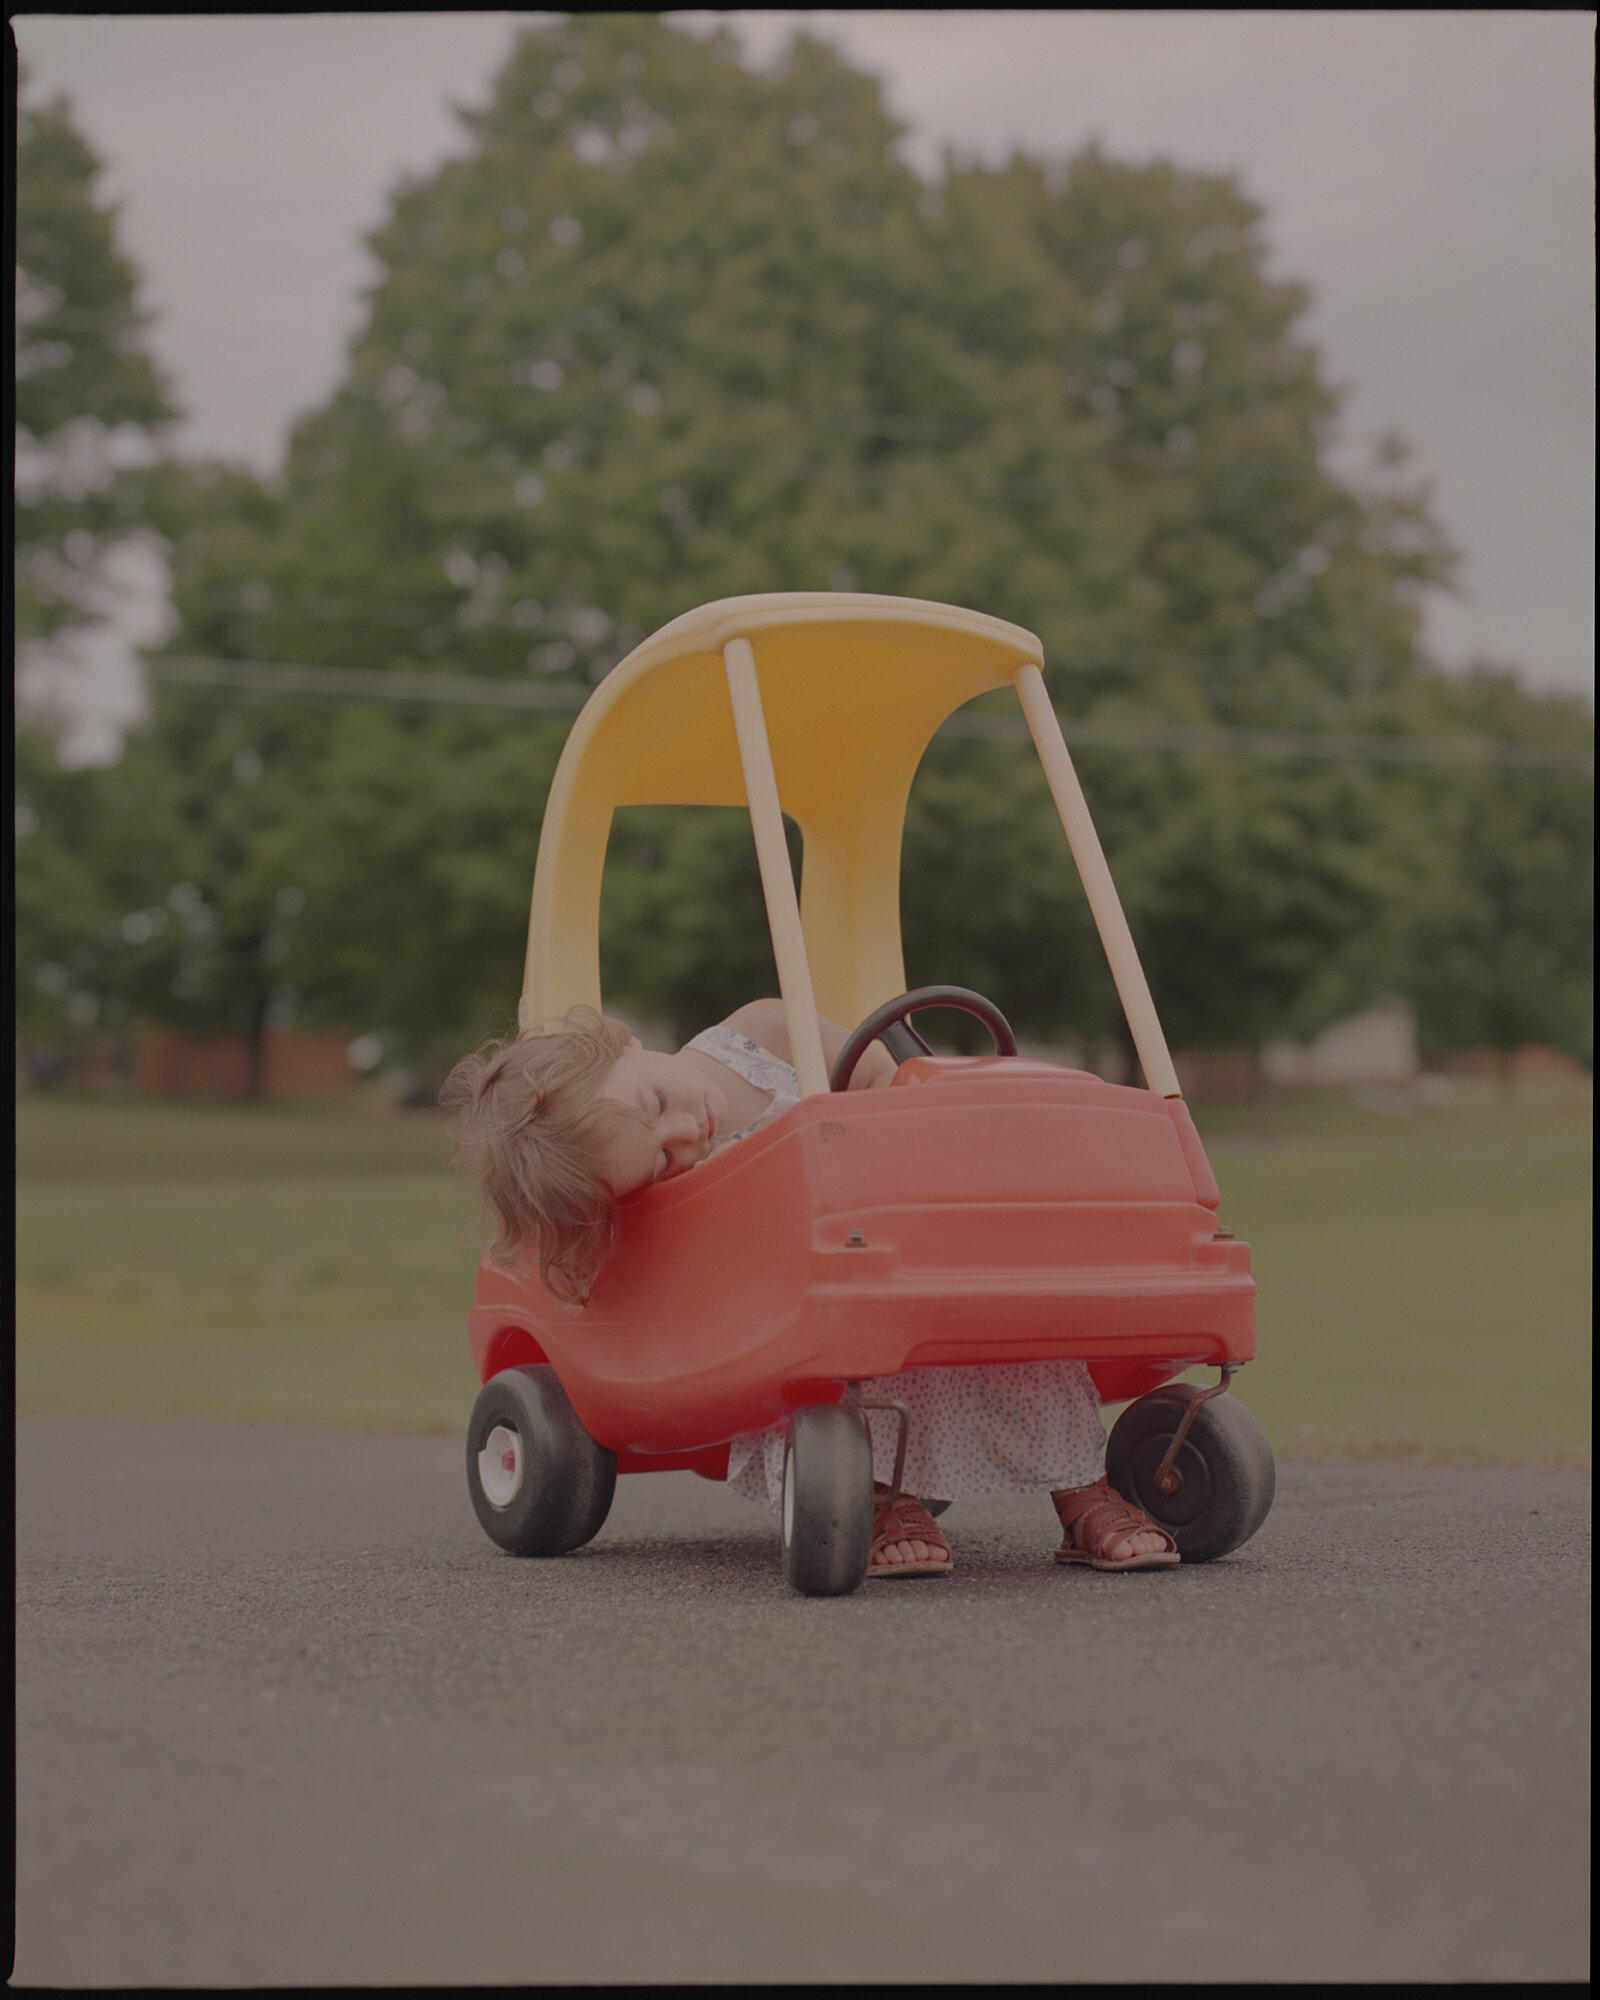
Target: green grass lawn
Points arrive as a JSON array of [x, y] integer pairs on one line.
[[1424, 1281], [278, 1263], [1422, 1291]]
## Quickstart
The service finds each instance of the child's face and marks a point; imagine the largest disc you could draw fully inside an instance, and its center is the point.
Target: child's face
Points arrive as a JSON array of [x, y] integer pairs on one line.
[[677, 1116]]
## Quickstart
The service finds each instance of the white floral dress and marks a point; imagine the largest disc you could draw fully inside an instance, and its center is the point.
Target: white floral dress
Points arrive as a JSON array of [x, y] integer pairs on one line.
[[1013, 1427]]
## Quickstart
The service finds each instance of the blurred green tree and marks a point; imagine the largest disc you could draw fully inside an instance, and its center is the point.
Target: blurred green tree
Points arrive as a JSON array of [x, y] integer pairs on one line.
[[1502, 942], [670, 330], [90, 403], [90, 410], [1210, 569], [412, 861], [97, 851]]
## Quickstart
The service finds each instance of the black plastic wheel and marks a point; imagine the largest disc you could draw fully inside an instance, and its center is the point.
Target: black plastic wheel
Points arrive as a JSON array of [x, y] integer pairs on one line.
[[891, 1025], [540, 1484], [827, 1500], [1224, 1469]]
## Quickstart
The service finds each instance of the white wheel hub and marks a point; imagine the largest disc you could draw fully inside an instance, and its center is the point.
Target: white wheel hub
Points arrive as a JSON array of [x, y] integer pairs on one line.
[[500, 1466], [788, 1497]]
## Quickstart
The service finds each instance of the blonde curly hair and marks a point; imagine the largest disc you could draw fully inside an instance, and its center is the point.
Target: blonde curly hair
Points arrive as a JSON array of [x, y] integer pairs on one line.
[[527, 1119]]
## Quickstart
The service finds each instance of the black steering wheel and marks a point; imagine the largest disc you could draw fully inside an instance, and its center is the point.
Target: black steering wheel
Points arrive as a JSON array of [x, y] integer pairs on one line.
[[888, 1024]]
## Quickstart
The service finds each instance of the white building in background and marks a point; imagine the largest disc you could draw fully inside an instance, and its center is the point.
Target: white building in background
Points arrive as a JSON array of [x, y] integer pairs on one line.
[[1378, 1046]]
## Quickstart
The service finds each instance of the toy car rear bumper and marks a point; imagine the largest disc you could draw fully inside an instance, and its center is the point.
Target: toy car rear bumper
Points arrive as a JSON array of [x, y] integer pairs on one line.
[[1134, 1332], [1066, 1220]]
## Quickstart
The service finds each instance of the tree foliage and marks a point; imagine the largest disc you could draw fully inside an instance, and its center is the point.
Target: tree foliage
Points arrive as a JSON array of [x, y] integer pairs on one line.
[[1501, 940], [670, 329], [97, 939], [88, 395]]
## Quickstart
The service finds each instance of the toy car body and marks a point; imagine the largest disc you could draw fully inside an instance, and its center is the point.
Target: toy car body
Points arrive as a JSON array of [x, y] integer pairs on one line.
[[978, 1210]]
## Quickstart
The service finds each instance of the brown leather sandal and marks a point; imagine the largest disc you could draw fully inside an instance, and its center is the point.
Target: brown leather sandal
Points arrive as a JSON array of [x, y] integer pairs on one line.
[[906, 1521], [1094, 1518]]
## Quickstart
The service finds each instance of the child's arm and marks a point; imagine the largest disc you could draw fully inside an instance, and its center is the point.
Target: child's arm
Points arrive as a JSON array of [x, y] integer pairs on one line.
[[765, 1021]]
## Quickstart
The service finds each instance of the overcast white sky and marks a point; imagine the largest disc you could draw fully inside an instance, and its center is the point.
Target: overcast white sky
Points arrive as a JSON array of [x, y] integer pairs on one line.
[[1429, 174]]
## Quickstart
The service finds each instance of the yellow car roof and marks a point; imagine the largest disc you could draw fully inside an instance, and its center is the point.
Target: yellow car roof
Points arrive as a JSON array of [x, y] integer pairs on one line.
[[853, 686]]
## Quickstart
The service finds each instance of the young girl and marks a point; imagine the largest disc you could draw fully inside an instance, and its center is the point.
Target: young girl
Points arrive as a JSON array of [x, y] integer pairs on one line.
[[560, 1126]]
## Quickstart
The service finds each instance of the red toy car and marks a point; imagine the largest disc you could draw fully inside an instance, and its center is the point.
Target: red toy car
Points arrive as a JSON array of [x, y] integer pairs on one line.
[[986, 1209]]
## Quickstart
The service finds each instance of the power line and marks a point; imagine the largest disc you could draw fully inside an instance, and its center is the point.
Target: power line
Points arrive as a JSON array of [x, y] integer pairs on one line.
[[1331, 745], [470, 691], [365, 683]]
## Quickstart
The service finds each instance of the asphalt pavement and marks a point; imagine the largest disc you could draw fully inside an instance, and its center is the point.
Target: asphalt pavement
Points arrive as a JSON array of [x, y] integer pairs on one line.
[[285, 1717]]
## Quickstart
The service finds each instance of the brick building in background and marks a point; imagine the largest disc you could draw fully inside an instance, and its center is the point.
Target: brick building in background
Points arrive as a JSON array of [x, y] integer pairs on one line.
[[170, 1063], [1373, 1050]]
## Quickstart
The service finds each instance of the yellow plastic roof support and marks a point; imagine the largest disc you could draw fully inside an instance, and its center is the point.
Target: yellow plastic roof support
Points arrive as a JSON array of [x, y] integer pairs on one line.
[[852, 687]]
